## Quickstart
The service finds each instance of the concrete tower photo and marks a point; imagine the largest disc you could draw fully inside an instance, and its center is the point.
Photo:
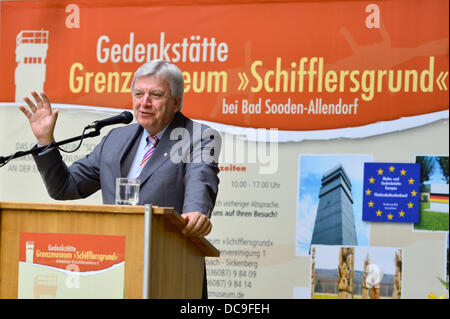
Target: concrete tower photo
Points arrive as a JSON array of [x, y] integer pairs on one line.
[[335, 221]]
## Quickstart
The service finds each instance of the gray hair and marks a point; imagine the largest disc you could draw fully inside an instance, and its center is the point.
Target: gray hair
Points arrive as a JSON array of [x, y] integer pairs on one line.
[[166, 71]]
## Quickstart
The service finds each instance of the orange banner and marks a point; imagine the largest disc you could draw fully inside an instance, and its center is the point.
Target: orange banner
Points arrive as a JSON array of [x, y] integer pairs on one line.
[[297, 66]]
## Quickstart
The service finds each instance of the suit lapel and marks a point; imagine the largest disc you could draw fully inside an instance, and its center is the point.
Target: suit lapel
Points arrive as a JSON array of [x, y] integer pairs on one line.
[[126, 142], [162, 150]]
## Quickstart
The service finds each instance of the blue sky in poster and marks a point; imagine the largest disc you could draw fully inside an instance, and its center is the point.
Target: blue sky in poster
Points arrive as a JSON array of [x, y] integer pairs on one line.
[[311, 170], [436, 176]]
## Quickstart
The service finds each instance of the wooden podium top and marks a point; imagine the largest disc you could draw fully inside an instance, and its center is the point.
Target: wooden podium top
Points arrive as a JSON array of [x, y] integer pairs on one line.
[[203, 244], [85, 208]]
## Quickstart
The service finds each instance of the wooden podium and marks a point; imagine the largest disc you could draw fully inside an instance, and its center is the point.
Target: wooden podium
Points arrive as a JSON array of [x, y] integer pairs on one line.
[[160, 262]]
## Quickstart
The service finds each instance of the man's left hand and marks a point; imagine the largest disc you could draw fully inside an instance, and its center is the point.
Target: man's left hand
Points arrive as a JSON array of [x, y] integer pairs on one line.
[[198, 224]]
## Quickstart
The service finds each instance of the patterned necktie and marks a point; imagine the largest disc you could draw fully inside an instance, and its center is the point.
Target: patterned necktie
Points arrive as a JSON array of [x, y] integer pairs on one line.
[[151, 144]]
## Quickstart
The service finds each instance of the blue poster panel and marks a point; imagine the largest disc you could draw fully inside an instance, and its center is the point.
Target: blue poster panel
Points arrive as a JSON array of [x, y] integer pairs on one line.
[[391, 192]]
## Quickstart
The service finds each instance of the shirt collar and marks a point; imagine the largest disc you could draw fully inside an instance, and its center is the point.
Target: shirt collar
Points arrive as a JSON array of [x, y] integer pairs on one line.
[[146, 134]]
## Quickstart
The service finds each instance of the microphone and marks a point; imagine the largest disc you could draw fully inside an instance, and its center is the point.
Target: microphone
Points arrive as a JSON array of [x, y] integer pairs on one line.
[[123, 118]]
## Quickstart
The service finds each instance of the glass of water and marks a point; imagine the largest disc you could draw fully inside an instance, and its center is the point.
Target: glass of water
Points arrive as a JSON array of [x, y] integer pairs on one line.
[[127, 191]]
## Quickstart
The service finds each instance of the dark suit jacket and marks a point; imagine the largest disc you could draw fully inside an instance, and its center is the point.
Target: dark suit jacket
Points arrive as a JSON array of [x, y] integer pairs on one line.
[[181, 173]]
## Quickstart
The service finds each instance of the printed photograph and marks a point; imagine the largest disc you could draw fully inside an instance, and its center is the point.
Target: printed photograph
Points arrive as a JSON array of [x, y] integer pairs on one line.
[[329, 207], [434, 209], [345, 272]]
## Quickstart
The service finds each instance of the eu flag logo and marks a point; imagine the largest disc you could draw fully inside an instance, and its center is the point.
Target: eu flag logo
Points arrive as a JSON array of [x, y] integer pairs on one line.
[[391, 192]]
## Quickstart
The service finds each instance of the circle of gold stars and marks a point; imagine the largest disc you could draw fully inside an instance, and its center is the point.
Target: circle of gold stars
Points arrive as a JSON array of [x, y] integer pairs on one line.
[[368, 192]]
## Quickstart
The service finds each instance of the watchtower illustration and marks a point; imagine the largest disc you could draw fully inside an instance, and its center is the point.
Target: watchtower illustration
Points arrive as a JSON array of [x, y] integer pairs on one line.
[[31, 51], [335, 221]]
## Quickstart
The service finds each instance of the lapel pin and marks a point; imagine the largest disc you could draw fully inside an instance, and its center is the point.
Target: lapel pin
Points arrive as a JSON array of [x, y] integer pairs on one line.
[[165, 154]]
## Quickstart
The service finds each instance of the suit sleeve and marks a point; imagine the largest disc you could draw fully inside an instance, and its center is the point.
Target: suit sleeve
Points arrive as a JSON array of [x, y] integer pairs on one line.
[[201, 176], [79, 180]]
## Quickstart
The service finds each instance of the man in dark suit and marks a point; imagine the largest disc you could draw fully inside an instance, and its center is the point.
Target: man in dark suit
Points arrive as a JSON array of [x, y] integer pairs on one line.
[[181, 172]]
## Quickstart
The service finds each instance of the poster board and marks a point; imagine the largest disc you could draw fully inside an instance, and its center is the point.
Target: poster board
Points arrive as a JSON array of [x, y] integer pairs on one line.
[[352, 52]]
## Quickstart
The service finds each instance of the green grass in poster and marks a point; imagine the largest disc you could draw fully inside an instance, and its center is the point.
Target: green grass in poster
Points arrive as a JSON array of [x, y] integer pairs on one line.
[[431, 220]]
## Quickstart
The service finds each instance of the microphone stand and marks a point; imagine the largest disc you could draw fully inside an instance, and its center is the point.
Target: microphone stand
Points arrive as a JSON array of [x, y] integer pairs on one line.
[[37, 150]]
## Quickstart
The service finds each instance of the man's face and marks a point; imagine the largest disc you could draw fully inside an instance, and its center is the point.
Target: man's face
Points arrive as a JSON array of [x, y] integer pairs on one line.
[[153, 104]]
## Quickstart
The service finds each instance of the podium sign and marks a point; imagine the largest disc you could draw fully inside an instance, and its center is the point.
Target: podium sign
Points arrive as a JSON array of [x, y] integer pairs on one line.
[[71, 266]]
